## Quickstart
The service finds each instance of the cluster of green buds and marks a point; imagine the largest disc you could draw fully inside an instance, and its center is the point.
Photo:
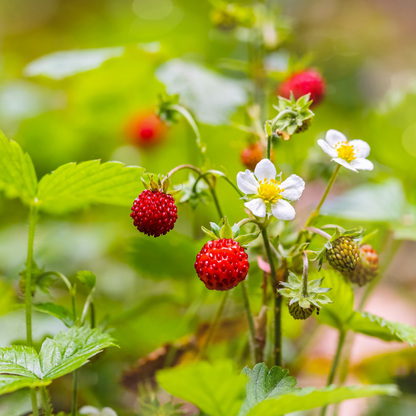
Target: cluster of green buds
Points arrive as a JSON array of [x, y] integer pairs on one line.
[[294, 116]]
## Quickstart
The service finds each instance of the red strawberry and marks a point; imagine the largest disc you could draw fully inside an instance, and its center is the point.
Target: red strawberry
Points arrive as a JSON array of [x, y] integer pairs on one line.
[[253, 154], [146, 129], [154, 212], [222, 264], [302, 83]]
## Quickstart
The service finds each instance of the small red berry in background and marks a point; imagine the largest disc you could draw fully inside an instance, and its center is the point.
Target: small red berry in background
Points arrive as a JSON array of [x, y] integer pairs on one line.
[[253, 154], [146, 129], [302, 83], [222, 264], [154, 213]]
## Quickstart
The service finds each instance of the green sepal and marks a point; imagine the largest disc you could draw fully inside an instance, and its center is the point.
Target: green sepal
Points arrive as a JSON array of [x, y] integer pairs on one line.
[[268, 129], [216, 229], [245, 239], [236, 230], [226, 230], [209, 233]]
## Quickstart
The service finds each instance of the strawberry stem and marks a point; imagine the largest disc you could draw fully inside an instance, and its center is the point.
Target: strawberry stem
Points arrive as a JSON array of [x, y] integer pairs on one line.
[[305, 275]]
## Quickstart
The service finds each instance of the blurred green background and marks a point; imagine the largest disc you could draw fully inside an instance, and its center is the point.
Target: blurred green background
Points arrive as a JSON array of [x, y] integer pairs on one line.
[[75, 107]]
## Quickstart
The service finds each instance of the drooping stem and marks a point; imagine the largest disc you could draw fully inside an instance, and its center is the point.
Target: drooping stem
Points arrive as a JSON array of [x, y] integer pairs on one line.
[[319, 231], [45, 400], [214, 324], [215, 199], [315, 213], [277, 302], [74, 393], [269, 146], [33, 216], [186, 166], [253, 342], [305, 275], [335, 363]]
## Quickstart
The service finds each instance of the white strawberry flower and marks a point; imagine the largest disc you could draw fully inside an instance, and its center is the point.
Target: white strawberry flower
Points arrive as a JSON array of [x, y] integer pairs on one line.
[[350, 154], [266, 194], [93, 411]]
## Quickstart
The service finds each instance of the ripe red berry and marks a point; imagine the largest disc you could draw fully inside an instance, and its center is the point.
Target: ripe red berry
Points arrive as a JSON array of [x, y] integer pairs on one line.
[[154, 213], [146, 129], [222, 264], [253, 154], [302, 83]]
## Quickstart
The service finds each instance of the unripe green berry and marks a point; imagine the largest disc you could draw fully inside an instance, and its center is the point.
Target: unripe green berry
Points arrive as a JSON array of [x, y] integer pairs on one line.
[[344, 255], [300, 313]]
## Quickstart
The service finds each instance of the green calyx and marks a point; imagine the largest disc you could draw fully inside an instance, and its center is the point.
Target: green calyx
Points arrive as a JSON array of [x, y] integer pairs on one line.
[[294, 116], [224, 230], [162, 184], [313, 298]]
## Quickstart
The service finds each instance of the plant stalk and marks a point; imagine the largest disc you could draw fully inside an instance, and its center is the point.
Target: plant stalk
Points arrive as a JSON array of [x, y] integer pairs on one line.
[[335, 363], [305, 275], [315, 213], [46, 403], [256, 353], [74, 393], [33, 216], [277, 302], [213, 326]]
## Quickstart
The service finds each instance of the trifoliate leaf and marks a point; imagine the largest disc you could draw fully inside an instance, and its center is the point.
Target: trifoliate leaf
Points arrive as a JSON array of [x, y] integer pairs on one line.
[[17, 173], [61, 355], [73, 186]]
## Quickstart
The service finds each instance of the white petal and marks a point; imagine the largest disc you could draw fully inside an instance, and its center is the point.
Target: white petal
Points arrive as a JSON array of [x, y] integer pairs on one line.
[[247, 182], [327, 148], [362, 148], [108, 411], [257, 207], [334, 136], [265, 170], [362, 164], [88, 410], [344, 163], [282, 210], [293, 187]]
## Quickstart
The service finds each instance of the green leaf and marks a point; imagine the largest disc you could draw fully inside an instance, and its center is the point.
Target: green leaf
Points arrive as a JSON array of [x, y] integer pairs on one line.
[[264, 383], [58, 311], [217, 389], [61, 355], [245, 239], [374, 326], [11, 383], [309, 398], [342, 296], [70, 350], [73, 186], [17, 173], [20, 361], [87, 278]]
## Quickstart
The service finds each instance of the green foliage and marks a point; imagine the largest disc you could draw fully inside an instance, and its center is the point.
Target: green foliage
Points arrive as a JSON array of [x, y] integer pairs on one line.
[[73, 186], [154, 408], [11, 383], [17, 173], [218, 390], [194, 194], [374, 326], [37, 279], [61, 355], [57, 311], [87, 278]]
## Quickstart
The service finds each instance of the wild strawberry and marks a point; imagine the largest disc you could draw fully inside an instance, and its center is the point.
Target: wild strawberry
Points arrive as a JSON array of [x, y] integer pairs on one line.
[[344, 255], [146, 129], [367, 266], [222, 264], [154, 212], [300, 313], [302, 83], [253, 154]]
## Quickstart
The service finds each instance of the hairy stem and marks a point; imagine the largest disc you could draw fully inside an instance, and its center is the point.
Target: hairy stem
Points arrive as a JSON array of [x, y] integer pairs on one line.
[[335, 363], [46, 402], [33, 216], [315, 213], [74, 393], [253, 342], [305, 275], [277, 302], [214, 324]]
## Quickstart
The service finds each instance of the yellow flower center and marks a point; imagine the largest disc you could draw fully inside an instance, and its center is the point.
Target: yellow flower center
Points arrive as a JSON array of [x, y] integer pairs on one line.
[[269, 191], [345, 151]]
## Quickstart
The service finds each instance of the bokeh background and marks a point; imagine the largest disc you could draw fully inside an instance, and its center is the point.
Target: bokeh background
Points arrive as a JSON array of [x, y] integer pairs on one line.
[[118, 56]]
